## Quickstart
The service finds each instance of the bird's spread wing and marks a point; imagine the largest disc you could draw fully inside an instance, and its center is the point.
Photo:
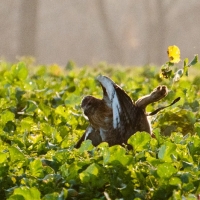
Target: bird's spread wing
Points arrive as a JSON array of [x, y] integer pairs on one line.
[[111, 97], [124, 110]]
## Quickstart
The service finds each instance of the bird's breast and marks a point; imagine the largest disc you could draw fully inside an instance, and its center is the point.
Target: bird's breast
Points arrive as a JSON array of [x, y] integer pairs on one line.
[[101, 118]]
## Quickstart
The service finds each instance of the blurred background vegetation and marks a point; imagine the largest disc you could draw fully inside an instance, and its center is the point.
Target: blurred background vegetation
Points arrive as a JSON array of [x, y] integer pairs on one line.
[[130, 32]]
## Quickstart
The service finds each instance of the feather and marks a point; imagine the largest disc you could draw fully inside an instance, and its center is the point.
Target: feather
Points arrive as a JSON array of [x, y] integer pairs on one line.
[[115, 117], [110, 96]]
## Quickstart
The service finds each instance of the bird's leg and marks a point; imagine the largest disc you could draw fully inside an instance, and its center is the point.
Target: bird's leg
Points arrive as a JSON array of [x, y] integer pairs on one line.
[[157, 94]]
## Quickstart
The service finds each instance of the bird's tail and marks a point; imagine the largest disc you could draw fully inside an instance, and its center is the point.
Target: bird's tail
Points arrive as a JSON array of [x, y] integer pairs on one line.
[[163, 107]]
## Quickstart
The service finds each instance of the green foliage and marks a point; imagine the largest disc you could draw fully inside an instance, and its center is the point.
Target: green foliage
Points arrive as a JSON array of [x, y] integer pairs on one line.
[[41, 121]]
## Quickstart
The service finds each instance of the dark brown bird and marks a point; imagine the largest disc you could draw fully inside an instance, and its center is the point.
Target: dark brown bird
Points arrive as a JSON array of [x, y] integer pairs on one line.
[[115, 117]]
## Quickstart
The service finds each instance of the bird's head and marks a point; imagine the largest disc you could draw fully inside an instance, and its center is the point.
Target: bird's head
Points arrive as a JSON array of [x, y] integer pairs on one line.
[[89, 105]]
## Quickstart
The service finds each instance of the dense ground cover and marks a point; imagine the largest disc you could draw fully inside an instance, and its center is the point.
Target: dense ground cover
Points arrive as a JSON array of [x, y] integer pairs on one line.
[[41, 120]]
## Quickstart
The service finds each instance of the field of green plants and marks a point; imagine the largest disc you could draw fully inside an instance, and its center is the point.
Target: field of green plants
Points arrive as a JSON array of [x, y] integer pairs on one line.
[[41, 121]]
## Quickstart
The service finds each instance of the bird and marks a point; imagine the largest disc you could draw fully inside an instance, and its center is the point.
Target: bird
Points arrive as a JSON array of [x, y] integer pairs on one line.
[[115, 117]]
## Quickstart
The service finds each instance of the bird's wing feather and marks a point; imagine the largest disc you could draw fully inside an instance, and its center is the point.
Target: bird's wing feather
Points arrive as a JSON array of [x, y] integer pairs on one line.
[[124, 110], [91, 134]]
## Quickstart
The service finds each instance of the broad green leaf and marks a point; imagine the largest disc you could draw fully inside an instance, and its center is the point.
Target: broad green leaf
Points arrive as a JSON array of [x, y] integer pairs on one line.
[[166, 170], [176, 195], [70, 172], [25, 193], [188, 187], [3, 157], [41, 71], [175, 181], [116, 153], [51, 196], [86, 146], [16, 154], [20, 71], [72, 99], [45, 109], [27, 123], [47, 129], [166, 151], [56, 137], [6, 116], [62, 196], [31, 107], [61, 110], [35, 138], [36, 168], [139, 141], [93, 175]]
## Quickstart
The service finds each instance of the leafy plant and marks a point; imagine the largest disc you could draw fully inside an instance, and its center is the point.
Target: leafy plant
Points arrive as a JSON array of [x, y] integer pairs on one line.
[[41, 121]]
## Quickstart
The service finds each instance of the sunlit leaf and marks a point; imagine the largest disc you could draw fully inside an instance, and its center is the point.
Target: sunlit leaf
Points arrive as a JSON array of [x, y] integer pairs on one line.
[[3, 157], [25, 193], [116, 153], [166, 151], [166, 170], [139, 141], [36, 168], [16, 154], [20, 71], [175, 181], [6, 116], [91, 174]]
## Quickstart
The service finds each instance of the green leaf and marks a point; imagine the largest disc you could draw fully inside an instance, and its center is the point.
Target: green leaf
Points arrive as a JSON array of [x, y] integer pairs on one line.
[[175, 181], [16, 154], [61, 110], [47, 129], [6, 116], [194, 61], [116, 153], [166, 170], [31, 107], [139, 141], [25, 193], [26, 124], [86, 146], [45, 109], [3, 157], [166, 151], [197, 128], [20, 71], [63, 195], [93, 175], [36, 168], [51, 196], [185, 66]]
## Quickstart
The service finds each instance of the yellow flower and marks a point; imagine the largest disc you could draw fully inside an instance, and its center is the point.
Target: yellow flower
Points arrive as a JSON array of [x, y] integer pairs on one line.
[[173, 54]]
